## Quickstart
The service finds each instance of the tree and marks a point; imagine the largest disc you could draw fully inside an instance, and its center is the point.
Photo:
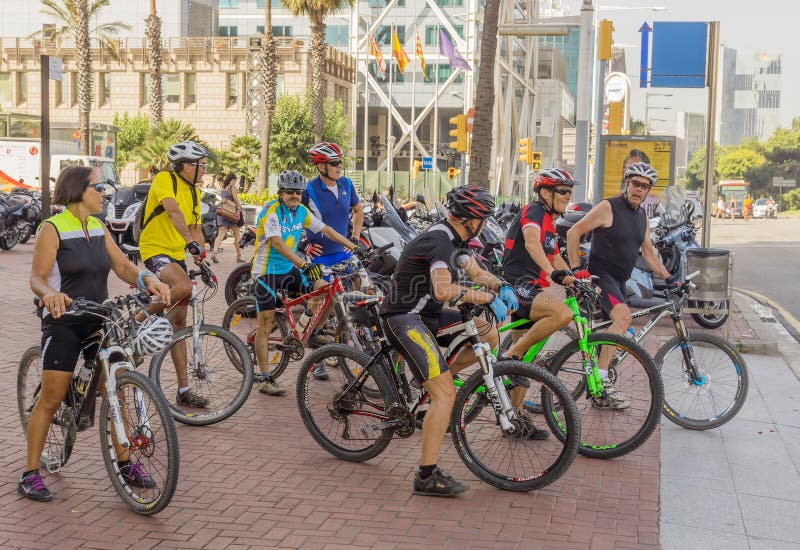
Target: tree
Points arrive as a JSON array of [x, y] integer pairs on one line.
[[132, 132], [483, 133], [269, 82], [293, 134], [155, 58], [242, 158], [734, 162], [317, 11], [151, 155], [72, 21], [696, 169]]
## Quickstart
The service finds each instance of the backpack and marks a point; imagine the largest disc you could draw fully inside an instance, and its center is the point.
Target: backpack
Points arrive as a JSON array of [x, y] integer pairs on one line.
[[139, 223]]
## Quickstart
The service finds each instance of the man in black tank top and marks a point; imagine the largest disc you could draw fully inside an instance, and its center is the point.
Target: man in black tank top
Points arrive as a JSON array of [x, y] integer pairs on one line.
[[621, 231]]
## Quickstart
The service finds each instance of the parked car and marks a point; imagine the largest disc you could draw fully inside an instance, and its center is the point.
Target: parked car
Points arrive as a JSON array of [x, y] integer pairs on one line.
[[762, 209]]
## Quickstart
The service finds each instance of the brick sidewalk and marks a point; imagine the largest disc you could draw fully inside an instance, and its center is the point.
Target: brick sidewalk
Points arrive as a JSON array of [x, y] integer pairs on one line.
[[259, 480]]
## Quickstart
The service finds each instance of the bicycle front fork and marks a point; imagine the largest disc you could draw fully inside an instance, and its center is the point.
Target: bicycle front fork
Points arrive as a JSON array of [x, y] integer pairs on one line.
[[497, 393]]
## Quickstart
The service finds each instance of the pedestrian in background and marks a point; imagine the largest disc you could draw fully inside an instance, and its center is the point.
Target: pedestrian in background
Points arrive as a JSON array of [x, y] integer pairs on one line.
[[229, 192]]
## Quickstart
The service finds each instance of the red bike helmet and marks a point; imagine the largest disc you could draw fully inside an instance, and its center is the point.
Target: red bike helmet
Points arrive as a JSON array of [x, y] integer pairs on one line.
[[470, 202], [553, 177], [323, 153]]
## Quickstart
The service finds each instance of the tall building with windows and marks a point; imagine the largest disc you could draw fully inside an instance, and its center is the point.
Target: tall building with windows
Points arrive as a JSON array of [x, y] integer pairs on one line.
[[750, 95]]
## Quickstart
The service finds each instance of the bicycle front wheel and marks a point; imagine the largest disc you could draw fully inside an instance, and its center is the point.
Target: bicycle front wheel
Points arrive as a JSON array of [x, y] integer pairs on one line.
[[153, 451], [240, 318], [515, 461], [210, 374], [62, 430], [624, 417], [715, 395], [341, 422]]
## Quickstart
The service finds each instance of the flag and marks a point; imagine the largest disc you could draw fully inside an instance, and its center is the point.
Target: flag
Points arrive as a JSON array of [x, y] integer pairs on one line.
[[398, 53], [375, 51], [421, 57], [447, 49]]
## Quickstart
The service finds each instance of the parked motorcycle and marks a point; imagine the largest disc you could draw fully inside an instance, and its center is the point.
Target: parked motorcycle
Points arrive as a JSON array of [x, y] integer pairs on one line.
[[122, 209], [13, 220], [208, 211], [32, 212]]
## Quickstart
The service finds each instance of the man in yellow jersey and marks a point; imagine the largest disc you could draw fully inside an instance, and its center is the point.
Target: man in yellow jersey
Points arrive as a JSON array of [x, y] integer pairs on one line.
[[172, 226]]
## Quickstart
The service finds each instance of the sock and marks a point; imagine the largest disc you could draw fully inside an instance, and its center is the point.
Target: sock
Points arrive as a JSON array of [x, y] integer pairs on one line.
[[426, 471], [264, 377], [183, 390], [29, 472]]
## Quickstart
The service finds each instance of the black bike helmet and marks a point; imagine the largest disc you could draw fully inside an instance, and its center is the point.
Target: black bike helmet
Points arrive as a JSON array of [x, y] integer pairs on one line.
[[470, 202], [289, 179]]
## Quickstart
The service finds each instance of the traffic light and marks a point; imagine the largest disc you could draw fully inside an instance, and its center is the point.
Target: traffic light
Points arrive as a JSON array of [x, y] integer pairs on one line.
[[604, 39], [536, 161], [524, 149], [453, 173], [459, 132], [415, 169]]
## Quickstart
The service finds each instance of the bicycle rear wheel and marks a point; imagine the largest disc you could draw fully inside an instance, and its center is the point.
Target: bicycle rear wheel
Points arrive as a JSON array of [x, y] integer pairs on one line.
[[153, 441], [716, 396], [240, 318], [62, 430], [513, 462], [341, 422], [210, 372], [610, 432]]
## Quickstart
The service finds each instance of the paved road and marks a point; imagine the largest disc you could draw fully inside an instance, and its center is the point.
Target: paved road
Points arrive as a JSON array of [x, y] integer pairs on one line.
[[770, 269]]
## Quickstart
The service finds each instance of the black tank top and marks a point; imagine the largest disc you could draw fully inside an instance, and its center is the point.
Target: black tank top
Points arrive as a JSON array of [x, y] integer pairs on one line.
[[616, 248]]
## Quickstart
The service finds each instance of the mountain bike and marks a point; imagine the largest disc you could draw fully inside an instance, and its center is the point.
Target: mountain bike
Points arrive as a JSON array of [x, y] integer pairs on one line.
[[366, 402], [605, 432], [287, 340], [133, 412], [217, 362], [705, 377]]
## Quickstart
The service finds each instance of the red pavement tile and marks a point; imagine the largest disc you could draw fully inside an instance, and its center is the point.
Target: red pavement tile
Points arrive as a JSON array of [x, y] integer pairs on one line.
[[259, 480]]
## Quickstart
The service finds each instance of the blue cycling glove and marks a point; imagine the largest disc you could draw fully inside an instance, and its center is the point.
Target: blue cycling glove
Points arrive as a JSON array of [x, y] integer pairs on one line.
[[508, 297], [499, 309]]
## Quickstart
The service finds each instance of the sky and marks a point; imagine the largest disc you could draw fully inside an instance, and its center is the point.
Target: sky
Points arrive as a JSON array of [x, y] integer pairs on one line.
[[745, 25]]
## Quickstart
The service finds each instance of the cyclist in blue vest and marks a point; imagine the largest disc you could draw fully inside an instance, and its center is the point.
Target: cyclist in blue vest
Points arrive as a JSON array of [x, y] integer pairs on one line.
[[332, 198]]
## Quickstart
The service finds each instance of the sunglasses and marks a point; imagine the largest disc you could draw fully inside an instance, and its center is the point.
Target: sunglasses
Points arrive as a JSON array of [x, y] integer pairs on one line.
[[334, 163], [640, 185], [201, 165], [99, 187], [297, 192], [562, 191]]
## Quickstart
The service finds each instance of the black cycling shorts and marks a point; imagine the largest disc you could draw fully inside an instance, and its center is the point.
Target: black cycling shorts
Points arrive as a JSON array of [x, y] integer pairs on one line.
[[526, 293], [267, 285], [158, 262], [62, 343], [613, 293], [414, 338]]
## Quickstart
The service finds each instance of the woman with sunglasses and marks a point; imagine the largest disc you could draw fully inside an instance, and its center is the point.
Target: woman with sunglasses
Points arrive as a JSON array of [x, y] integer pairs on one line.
[[71, 258], [532, 260], [621, 231]]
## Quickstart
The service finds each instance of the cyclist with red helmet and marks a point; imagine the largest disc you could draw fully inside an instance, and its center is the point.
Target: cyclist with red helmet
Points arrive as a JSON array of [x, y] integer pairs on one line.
[[532, 260], [413, 312]]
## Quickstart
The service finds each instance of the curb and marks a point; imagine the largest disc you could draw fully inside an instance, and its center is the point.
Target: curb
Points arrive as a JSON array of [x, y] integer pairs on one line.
[[794, 324]]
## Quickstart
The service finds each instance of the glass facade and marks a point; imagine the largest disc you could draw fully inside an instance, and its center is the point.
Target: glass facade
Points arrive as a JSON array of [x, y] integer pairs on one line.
[[569, 47]]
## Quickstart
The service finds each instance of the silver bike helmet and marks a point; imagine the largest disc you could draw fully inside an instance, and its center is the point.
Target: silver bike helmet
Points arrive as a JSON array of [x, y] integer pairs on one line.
[[152, 336], [641, 169], [289, 179], [186, 151]]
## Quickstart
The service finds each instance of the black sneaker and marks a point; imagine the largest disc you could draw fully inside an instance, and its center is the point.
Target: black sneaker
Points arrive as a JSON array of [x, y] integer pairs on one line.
[[438, 484], [320, 373], [33, 487], [135, 476], [192, 399]]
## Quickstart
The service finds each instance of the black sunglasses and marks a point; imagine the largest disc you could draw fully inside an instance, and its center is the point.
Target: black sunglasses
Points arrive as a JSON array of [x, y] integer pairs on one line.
[[334, 163], [640, 184], [99, 187], [293, 191], [562, 191]]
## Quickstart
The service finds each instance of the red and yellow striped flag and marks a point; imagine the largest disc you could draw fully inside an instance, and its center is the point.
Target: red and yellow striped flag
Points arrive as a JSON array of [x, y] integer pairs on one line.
[[399, 53], [375, 51], [421, 57]]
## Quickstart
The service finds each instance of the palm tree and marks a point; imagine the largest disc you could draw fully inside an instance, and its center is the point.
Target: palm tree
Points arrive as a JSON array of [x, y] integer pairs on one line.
[[72, 21], [317, 10], [269, 81], [151, 155], [484, 99], [155, 58]]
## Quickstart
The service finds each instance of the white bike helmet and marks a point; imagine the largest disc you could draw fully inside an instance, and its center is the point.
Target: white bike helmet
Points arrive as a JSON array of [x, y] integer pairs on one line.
[[186, 151], [641, 169], [152, 336]]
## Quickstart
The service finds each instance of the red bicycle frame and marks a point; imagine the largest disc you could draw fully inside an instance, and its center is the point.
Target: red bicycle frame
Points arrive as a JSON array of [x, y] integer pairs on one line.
[[329, 291]]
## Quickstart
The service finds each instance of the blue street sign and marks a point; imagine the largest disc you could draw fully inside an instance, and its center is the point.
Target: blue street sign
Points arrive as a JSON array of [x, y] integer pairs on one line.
[[679, 55], [427, 163], [645, 30]]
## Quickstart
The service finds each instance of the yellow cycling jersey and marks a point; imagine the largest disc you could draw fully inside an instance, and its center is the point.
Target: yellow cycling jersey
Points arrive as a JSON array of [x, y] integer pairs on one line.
[[160, 236]]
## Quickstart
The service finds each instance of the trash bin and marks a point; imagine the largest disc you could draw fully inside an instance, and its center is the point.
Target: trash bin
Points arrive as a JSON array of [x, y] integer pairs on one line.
[[712, 263]]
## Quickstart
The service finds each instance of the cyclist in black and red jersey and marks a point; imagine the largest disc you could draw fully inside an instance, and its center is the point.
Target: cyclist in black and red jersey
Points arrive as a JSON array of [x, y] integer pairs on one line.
[[532, 260]]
